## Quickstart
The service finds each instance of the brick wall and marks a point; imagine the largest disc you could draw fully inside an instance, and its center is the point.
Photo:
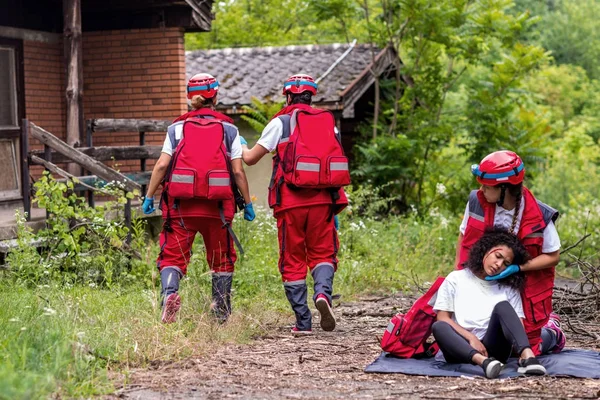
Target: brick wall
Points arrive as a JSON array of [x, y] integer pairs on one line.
[[137, 74], [44, 77]]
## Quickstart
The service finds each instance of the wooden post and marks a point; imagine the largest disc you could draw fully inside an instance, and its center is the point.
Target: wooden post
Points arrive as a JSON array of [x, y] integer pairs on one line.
[[74, 61], [89, 141], [48, 158], [143, 160], [25, 183]]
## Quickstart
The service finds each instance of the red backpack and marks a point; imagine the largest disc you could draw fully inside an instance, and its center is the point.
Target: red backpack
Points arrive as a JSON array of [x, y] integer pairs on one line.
[[406, 335], [200, 167], [312, 156]]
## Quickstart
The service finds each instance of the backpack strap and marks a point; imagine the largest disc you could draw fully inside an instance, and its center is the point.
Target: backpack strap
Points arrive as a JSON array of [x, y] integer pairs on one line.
[[286, 120], [172, 134], [548, 213], [475, 208], [230, 132]]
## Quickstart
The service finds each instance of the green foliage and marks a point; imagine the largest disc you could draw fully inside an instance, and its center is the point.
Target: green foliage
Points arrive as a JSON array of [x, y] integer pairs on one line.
[[248, 23], [81, 244], [463, 97], [570, 31], [571, 174], [60, 341], [259, 114]]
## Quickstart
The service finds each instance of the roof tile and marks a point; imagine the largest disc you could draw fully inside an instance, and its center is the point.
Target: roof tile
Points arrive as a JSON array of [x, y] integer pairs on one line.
[[260, 71]]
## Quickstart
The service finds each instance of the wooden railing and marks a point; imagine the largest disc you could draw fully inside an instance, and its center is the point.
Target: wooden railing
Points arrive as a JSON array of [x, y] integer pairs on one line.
[[90, 158]]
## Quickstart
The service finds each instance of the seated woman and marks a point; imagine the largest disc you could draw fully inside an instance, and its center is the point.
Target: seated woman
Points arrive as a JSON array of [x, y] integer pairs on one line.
[[479, 321]]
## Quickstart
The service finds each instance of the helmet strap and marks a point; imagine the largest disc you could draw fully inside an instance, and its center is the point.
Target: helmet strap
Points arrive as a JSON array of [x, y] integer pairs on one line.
[[500, 201]]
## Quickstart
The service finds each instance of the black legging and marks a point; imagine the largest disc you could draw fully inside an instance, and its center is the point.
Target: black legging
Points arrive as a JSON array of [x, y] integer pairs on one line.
[[504, 333]]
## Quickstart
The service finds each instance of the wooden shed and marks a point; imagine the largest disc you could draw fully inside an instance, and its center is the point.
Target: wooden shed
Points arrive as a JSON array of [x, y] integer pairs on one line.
[[63, 62]]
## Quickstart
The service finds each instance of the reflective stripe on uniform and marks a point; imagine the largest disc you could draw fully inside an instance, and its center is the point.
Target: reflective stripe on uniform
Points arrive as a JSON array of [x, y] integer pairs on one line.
[[476, 216], [535, 234], [284, 140], [295, 283], [304, 166], [223, 273], [182, 178], [390, 327], [339, 166], [218, 181], [320, 265]]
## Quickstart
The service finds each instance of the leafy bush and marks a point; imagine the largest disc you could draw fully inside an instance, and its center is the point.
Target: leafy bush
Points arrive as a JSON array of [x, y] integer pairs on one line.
[[80, 244]]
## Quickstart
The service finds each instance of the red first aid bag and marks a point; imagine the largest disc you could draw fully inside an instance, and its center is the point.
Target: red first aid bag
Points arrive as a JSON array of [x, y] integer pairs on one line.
[[313, 157], [406, 335], [200, 168]]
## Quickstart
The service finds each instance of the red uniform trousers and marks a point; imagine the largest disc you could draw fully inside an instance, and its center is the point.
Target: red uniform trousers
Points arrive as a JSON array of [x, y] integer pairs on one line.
[[307, 238], [176, 246]]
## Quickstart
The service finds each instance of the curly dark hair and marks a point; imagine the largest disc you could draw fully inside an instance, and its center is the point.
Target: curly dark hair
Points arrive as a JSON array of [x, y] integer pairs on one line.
[[494, 237]]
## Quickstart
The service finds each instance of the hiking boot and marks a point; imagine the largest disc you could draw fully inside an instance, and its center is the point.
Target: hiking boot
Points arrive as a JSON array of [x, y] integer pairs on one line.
[[170, 308], [554, 325], [327, 317], [531, 366], [297, 332], [492, 368]]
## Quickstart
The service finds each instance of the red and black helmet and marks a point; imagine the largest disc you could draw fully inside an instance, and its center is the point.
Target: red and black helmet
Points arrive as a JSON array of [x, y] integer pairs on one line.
[[204, 85], [500, 167], [300, 83]]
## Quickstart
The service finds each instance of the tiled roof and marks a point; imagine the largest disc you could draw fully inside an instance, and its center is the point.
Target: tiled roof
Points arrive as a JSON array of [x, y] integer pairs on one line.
[[260, 72]]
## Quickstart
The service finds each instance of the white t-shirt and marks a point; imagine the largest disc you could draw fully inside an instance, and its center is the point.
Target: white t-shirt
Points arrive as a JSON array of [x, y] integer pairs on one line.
[[472, 300], [503, 219], [271, 135], [236, 145]]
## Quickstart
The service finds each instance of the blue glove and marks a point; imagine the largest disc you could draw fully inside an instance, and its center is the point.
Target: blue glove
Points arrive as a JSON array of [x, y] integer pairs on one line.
[[336, 222], [511, 269], [249, 212], [243, 141], [148, 205]]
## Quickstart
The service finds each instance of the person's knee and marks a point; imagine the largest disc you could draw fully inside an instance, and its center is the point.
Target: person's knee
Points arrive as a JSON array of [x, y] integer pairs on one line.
[[503, 306], [439, 328]]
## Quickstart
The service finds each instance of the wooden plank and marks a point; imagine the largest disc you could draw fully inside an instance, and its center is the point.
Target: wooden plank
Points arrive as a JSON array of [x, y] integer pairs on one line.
[[56, 170], [74, 59], [143, 178], [94, 166], [25, 182], [108, 153], [129, 125], [29, 35]]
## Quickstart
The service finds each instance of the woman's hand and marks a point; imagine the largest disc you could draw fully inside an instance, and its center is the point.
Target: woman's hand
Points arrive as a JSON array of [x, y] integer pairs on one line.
[[477, 345]]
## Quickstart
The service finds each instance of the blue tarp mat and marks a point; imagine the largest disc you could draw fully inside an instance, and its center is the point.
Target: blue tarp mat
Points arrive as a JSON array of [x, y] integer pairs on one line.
[[572, 362]]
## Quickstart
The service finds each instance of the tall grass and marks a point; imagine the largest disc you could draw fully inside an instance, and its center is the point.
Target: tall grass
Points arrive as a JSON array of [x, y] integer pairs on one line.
[[62, 339]]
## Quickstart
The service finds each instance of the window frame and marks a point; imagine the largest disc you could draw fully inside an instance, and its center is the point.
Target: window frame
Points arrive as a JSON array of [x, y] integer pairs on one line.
[[14, 132]]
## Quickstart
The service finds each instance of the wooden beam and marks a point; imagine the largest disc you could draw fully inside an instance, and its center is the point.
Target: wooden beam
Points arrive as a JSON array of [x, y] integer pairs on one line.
[[29, 35], [74, 62], [94, 166], [108, 153], [143, 178], [129, 125], [56, 170]]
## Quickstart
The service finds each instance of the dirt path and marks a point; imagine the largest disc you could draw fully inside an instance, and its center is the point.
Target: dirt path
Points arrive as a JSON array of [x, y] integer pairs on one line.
[[330, 366]]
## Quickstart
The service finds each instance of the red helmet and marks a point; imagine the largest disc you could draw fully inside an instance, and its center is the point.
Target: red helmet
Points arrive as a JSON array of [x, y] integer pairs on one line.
[[204, 85], [500, 167], [299, 84]]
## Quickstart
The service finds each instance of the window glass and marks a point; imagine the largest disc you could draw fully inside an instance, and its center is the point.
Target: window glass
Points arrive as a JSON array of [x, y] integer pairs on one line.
[[8, 95]]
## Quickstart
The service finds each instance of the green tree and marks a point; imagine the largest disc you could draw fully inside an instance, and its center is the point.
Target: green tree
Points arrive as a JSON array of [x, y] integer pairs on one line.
[[248, 23], [459, 85]]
